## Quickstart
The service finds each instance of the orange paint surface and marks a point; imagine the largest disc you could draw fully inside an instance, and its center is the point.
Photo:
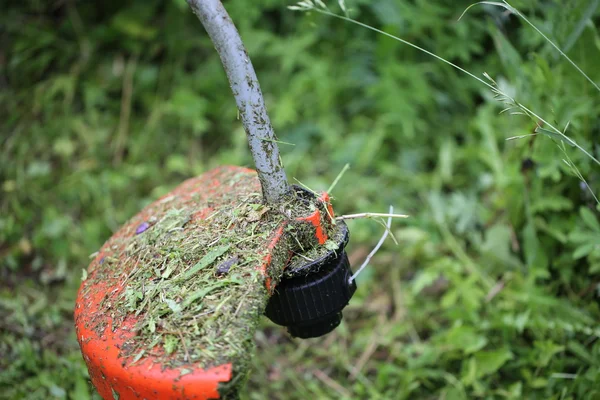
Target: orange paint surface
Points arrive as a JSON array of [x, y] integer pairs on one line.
[[327, 200], [315, 219], [115, 377], [267, 261]]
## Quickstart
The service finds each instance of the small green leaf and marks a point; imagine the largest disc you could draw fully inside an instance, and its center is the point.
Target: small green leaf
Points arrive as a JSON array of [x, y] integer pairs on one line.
[[534, 253], [84, 274], [167, 273], [520, 321], [580, 351], [582, 237], [555, 231], [555, 135], [466, 339], [589, 218], [584, 250], [424, 279], [488, 362], [331, 245], [208, 259], [133, 297], [546, 350], [173, 305], [81, 390], [171, 344], [138, 356], [551, 203]]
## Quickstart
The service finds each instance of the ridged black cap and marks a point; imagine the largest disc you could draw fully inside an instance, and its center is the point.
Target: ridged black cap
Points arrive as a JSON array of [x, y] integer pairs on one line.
[[310, 300]]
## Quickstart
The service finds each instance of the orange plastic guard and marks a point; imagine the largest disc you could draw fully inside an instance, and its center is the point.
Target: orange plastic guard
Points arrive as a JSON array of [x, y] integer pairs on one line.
[[107, 334]]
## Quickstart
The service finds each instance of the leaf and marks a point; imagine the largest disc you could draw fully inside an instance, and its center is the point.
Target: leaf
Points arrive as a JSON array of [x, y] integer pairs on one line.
[[584, 250], [132, 21], [173, 305], [546, 350], [581, 236], [167, 273], [320, 3], [331, 245], [509, 56], [133, 297], [520, 321], [497, 245], [551, 203], [555, 135], [552, 230], [589, 219], [208, 259], [465, 338], [170, 344], [424, 279], [81, 390], [138, 356], [535, 255], [488, 362], [256, 212], [580, 351], [447, 153]]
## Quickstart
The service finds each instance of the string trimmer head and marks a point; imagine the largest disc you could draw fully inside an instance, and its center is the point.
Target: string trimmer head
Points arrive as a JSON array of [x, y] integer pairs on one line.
[[171, 301]]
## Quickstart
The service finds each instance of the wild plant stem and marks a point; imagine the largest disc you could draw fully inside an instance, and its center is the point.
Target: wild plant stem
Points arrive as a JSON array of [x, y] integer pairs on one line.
[[248, 97], [379, 244], [369, 215]]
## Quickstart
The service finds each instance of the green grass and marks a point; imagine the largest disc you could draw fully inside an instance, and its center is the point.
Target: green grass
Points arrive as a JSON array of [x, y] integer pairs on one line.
[[492, 291]]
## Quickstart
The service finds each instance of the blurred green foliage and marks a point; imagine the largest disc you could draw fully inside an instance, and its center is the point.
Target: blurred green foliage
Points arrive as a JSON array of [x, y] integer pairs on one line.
[[493, 290]]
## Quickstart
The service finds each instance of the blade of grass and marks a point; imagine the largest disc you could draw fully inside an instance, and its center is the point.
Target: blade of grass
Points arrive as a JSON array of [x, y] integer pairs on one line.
[[379, 244], [208, 259], [337, 178]]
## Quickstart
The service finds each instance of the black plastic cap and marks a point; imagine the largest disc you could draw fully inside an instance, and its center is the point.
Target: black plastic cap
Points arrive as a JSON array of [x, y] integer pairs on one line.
[[310, 302]]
